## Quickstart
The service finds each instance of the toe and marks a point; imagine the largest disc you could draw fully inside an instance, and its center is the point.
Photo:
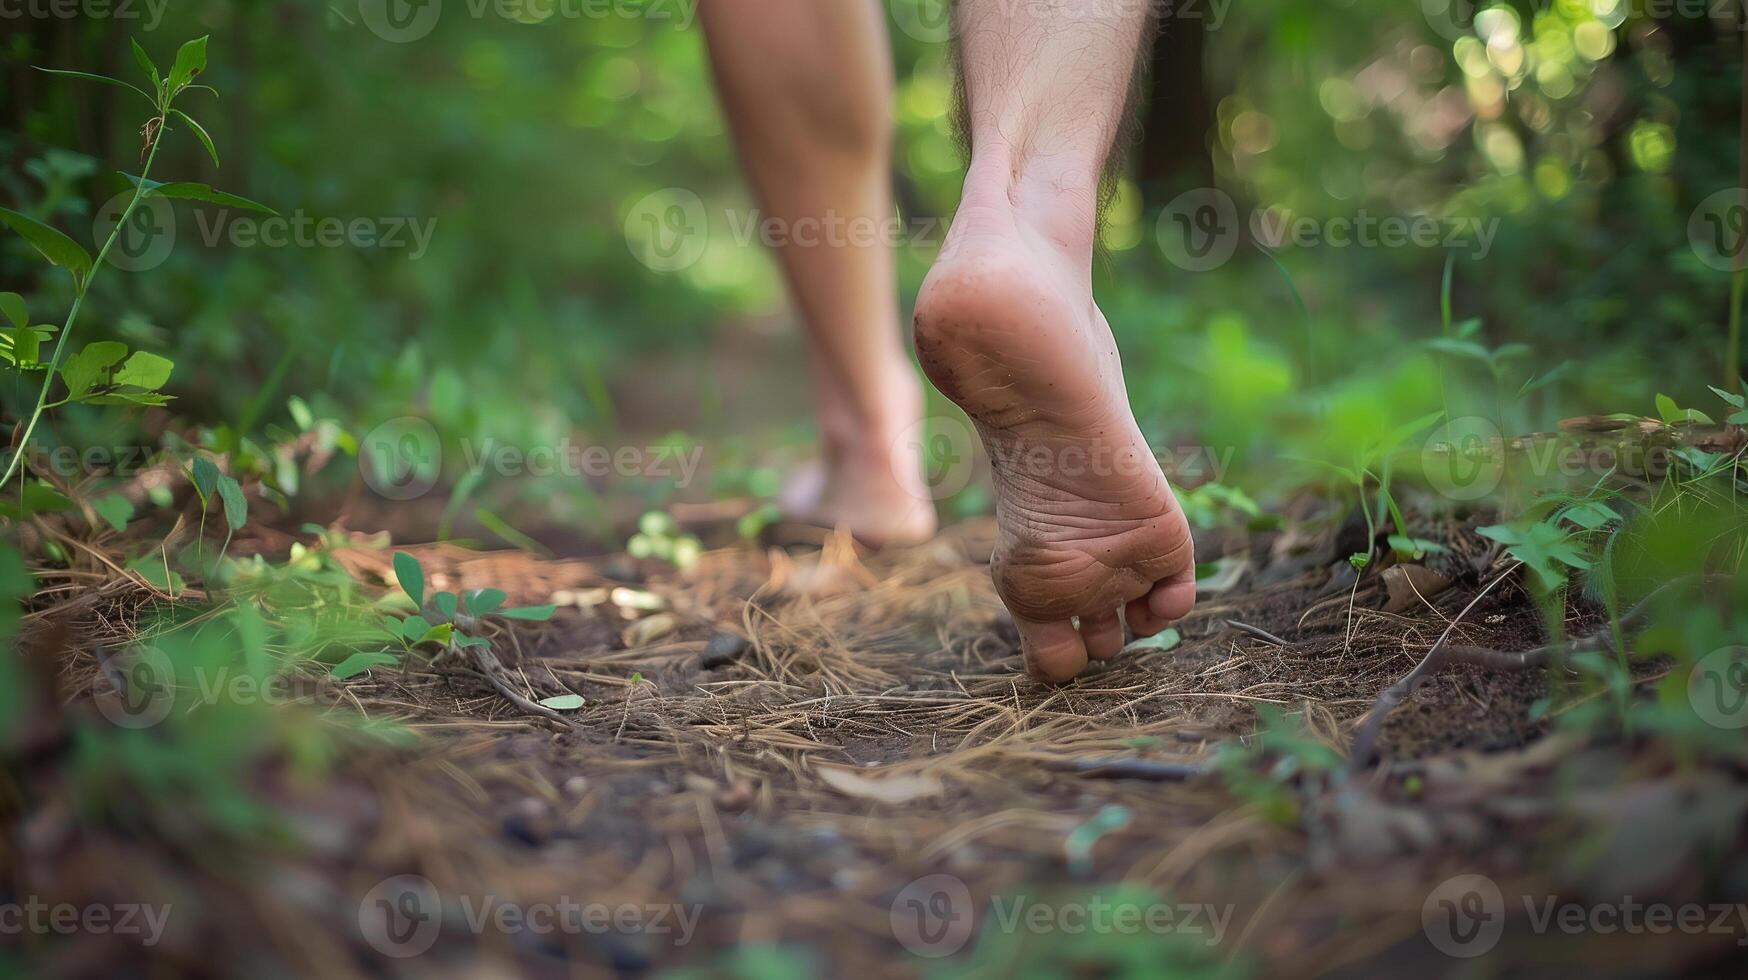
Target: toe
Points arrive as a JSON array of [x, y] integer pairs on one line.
[[1141, 618], [1055, 652], [1172, 599], [1102, 634]]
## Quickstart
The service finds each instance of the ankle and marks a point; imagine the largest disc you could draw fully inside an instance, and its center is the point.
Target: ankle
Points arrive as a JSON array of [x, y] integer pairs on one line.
[[858, 435], [1050, 200]]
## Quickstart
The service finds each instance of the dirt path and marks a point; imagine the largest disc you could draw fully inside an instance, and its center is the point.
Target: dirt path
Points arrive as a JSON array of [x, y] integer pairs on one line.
[[823, 762]]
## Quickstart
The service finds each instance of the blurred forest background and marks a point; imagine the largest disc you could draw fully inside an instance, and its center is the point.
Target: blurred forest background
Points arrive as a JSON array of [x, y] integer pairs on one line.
[[533, 135]]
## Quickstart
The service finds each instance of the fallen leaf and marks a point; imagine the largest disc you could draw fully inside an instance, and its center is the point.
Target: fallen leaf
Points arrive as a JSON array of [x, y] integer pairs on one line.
[[638, 599], [898, 788], [1410, 586], [646, 631]]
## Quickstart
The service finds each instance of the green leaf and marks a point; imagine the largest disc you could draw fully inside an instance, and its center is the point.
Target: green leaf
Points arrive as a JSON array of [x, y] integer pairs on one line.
[[192, 190], [359, 663], [128, 397], [441, 633], [410, 576], [145, 63], [1739, 418], [190, 61], [144, 370], [1416, 548], [300, 413], [199, 134], [206, 476], [534, 614], [484, 602], [236, 506], [84, 370], [1543, 547], [1735, 400], [105, 79], [1673, 413], [115, 509], [1590, 514], [26, 346], [36, 497], [53, 245], [1165, 639], [463, 640], [445, 603], [150, 566], [563, 702], [1545, 378], [413, 628], [1460, 348], [13, 309]]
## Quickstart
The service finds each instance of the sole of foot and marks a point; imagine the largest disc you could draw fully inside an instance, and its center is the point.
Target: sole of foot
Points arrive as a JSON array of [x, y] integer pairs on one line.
[[1090, 533]]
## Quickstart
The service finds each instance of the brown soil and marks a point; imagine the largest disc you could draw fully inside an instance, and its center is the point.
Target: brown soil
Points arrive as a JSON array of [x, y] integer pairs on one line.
[[876, 730]]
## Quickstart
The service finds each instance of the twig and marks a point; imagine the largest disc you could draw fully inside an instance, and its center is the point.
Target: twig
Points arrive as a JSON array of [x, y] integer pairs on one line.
[[1441, 653], [1367, 736], [489, 665], [1257, 632], [1117, 767]]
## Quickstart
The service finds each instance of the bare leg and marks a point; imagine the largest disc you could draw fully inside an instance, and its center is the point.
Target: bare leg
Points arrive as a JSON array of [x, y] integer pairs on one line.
[[807, 86], [1007, 328]]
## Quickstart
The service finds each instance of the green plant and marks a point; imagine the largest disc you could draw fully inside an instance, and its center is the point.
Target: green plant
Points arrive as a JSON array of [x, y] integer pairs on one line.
[[1263, 769], [445, 618], [103, 372], [659, 536]]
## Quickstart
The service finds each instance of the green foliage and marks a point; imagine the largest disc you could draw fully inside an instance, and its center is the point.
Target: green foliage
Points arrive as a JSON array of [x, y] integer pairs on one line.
[[1188, 951], [659, 536], [445, 619], [1264, 769], [98, 374]]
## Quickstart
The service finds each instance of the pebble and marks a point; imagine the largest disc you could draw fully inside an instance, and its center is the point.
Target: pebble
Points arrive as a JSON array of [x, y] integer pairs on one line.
[[723, 648]]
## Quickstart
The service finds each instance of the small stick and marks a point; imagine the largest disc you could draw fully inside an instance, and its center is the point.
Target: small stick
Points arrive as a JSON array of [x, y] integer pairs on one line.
[[1117, 767], [1367, 736], [1258, 632], [491, 667]]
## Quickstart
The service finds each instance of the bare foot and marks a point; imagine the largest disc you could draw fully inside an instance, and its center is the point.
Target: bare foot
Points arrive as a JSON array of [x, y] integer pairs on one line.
[[1006, 327], [862, 484]]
